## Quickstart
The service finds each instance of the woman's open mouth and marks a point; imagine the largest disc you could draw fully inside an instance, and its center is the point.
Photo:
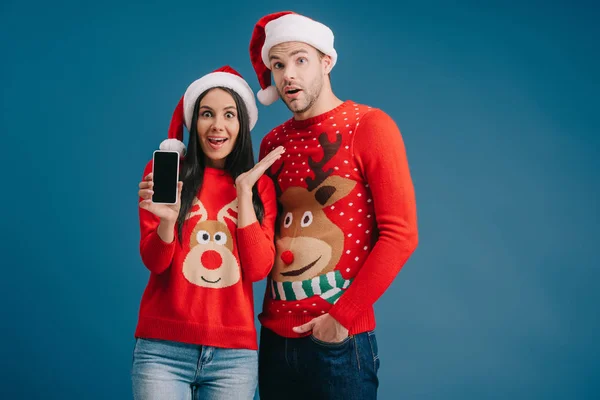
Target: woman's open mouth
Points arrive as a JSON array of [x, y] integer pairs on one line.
[[216, 142]]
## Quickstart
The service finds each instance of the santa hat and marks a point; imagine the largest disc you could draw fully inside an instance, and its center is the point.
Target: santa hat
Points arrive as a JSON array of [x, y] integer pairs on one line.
[[222, 77], [280, 27]]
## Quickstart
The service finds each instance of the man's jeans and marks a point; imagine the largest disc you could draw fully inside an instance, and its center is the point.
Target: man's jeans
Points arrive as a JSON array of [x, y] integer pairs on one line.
[[308, 368], [171, 370]]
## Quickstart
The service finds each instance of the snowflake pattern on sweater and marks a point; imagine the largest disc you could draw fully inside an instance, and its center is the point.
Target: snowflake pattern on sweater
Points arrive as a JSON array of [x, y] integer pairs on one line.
[[327, 213], [338, 168]]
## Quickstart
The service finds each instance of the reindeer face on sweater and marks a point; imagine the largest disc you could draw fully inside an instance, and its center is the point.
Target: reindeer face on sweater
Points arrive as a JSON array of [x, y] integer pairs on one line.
[[309, 243], [210, 261]]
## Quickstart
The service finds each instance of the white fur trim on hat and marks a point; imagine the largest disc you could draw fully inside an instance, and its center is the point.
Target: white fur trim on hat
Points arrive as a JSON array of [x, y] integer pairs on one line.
[[298, 28], [215, 79], [173, 145], [268, 96]]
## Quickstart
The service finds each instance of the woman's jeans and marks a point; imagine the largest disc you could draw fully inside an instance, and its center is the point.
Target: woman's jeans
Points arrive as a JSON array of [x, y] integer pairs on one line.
[[170, 370]]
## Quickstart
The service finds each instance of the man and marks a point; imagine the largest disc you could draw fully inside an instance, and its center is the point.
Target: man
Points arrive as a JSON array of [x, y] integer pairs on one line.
[[347, 220]]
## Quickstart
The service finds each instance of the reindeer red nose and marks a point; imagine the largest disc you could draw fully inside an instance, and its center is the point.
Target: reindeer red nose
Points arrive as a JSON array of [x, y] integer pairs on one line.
[[287, 257], [211, 259]]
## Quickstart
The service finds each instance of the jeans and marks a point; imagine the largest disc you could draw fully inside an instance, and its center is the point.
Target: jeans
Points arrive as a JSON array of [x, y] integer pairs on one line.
[[170, 370], [307, 368]]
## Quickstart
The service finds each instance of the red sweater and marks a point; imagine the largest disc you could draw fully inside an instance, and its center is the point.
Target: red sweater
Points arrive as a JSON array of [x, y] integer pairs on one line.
[[200, 291], [349, 219]]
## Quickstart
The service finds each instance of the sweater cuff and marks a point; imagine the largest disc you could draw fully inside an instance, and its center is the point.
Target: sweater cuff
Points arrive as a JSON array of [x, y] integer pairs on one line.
[[250, 235], [162, 252], [345, 312]]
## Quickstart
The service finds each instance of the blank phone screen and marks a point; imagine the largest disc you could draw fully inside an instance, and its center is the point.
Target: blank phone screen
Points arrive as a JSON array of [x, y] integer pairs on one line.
[[165, 177]]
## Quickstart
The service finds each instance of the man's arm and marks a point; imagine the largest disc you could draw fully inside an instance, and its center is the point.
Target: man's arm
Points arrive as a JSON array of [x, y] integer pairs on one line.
[[380, 152]]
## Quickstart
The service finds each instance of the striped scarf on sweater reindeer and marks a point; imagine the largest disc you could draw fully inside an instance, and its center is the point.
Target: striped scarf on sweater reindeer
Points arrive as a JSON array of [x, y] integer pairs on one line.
[[309, 243]]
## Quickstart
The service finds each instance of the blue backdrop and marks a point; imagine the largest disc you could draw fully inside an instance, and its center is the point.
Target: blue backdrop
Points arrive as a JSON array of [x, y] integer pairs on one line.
[[498, 106]]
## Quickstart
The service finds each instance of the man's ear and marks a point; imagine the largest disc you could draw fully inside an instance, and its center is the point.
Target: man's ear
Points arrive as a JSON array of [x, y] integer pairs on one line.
[[326, 60]]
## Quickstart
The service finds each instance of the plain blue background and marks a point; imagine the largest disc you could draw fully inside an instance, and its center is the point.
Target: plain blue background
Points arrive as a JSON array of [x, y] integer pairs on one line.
[[498, 106]]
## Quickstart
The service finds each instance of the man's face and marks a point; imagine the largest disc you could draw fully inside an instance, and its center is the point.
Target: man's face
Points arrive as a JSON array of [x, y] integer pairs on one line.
[[298, 72]]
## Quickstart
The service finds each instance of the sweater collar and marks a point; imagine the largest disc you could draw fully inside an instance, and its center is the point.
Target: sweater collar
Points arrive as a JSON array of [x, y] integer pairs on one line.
[[305, 123], [215, 171]]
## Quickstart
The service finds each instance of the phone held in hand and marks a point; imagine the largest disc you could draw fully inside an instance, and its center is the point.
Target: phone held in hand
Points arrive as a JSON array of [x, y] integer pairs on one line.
[[165, 175]]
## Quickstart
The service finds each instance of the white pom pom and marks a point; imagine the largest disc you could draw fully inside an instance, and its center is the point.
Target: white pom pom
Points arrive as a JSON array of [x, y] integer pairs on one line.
[[173, 145], [268, 96]]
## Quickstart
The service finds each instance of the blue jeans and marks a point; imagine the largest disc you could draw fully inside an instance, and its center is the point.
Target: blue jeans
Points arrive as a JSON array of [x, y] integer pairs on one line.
[[308, 368], [170, 370]]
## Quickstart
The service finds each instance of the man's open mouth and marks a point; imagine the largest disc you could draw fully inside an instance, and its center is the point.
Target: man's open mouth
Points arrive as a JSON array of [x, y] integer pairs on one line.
[[300, 271]]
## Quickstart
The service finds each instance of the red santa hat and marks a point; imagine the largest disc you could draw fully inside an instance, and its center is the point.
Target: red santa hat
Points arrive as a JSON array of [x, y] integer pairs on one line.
[[280, 27], [222, 77]]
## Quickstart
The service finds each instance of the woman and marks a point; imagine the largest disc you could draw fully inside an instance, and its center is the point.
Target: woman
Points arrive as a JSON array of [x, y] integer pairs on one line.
[[195, 336]]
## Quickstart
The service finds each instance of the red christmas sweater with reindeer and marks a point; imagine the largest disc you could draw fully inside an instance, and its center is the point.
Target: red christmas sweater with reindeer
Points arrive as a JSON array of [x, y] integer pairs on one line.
[[200, 289], [347, 220]]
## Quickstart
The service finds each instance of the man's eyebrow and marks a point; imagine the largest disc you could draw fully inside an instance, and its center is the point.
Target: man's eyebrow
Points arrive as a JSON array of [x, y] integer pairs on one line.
[[293, 53]]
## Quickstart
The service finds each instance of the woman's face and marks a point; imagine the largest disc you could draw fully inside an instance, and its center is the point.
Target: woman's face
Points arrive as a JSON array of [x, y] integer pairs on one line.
[[217, 126]]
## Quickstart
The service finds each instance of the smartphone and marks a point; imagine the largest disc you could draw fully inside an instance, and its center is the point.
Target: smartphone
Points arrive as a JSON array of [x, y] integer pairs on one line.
[[165, 175]]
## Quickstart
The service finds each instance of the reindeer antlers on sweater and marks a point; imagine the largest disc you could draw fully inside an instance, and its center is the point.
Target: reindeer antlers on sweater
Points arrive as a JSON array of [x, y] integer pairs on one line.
[[197, 209], [224, 212], [274, 177], [329, 151]]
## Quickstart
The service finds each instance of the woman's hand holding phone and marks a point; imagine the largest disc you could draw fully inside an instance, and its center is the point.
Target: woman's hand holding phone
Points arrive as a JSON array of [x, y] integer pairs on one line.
[[166, 212]]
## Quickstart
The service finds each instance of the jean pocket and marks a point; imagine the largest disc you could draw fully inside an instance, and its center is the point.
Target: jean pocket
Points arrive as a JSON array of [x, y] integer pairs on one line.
[[374, 349], [144, 347], [330, 345]]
